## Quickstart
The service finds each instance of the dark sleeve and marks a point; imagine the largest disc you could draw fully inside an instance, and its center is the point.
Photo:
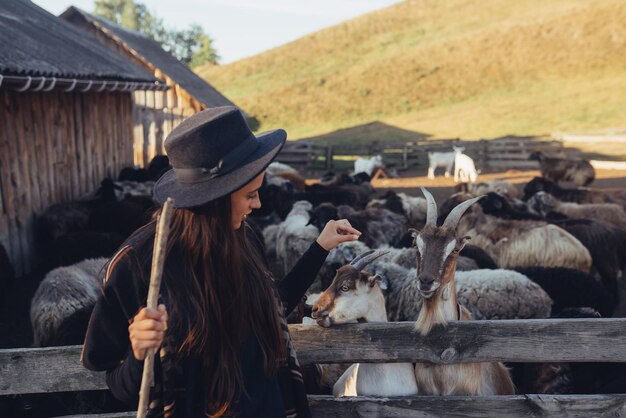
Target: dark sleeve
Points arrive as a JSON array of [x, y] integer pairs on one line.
[[107, 345], [294, 285]]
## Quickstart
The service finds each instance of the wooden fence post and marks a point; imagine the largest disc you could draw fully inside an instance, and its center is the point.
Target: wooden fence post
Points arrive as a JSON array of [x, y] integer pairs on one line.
[[329, 157], [405, 157]]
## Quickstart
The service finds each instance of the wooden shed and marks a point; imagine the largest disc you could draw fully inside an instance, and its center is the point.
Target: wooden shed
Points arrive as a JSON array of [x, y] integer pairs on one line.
[[65, 118], [155, 113]]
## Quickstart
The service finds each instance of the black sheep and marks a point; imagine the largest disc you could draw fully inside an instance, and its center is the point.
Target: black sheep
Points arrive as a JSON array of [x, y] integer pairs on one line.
[[569, 288]]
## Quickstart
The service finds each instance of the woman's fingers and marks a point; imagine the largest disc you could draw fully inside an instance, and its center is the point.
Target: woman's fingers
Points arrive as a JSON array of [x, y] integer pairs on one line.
[[344, 228], [148, 324], [147, 330], [150, 313]]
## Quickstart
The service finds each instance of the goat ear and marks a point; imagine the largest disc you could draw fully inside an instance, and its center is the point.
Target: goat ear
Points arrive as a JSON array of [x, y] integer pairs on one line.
[[377, 278], [463, 241]]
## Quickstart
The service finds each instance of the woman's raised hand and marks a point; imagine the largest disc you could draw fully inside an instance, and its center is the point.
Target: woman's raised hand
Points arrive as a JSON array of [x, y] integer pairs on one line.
[[336, 232], [146, 330]]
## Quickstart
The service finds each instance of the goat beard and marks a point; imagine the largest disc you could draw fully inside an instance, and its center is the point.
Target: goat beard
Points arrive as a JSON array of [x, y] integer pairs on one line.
[[430, 315]]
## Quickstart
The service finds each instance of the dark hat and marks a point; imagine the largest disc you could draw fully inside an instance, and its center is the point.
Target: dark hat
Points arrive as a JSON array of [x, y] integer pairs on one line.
[[214, 153]]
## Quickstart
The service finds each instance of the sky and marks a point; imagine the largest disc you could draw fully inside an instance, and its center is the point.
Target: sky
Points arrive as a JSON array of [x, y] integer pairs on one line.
[[242, 28]]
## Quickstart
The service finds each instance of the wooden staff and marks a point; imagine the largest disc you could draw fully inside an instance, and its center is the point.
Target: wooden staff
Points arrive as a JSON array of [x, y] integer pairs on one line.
[[158, 258]]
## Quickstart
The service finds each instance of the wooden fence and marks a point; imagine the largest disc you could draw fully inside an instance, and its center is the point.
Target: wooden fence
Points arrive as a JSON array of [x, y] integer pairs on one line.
[[505, 153], [45, 370]]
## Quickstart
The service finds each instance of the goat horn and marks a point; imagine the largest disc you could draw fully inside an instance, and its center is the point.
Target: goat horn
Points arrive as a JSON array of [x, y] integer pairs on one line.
[[367, 257], [431, 208], [360, 256], [452, 220]]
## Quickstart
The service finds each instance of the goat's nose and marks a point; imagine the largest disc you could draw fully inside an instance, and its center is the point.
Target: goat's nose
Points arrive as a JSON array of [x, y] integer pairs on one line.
[[315, 311], [426, 281]]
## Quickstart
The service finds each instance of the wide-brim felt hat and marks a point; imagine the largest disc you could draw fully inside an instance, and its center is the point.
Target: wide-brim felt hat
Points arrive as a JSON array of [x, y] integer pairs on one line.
[[214, 153]]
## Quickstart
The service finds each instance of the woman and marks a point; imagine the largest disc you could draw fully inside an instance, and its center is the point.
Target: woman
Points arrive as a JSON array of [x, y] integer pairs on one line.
[[225, 346]]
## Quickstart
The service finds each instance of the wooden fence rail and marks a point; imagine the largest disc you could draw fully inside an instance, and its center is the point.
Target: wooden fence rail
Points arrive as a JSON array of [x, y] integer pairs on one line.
[[572, 406], [499, 153], [40, 370]]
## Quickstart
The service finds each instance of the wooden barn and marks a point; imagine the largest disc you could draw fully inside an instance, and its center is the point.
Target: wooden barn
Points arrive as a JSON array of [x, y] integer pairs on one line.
[[66, 118], [155, 113]]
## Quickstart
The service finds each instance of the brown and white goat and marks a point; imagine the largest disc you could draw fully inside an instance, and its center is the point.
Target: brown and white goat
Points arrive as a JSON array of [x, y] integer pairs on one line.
[[437, 252], [357, 295]]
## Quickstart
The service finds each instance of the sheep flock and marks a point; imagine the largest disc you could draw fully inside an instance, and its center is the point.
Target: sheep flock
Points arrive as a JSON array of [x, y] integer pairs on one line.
[[554, 252]]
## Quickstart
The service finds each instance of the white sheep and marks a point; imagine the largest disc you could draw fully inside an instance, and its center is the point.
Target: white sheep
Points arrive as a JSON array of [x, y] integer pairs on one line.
[[464, 169], [414, 208], [442, 159], [62, 293], [524, 243], [368, 165], [294, 236], [502, 294]]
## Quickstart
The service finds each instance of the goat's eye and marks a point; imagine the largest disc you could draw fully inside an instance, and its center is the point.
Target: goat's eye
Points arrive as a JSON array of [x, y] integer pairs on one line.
[[344, 288]]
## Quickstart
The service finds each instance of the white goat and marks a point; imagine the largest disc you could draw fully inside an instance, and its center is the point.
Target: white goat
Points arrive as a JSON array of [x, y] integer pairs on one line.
[[442, 159], [355, 294], [464, 169], [368, 165]]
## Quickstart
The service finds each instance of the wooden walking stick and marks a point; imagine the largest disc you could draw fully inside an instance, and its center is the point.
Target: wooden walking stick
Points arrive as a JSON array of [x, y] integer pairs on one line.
[[158, 258]]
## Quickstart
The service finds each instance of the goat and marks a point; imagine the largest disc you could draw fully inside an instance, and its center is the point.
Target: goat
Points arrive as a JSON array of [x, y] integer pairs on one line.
[[337, 257], [464, 168], [354, 295], [612, 213], [437, 251], [576, 195], [579, 172], [442, 159], [368, 165]]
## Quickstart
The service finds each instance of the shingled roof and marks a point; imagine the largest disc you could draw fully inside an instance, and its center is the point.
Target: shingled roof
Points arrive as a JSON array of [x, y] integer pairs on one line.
[[36, 43], [151, 53]]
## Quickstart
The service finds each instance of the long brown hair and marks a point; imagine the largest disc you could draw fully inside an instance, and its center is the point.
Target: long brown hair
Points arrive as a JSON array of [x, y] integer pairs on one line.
[[223, 295]]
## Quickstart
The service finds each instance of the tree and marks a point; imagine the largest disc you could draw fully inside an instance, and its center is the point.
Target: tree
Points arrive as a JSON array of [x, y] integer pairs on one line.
[[193, 47]]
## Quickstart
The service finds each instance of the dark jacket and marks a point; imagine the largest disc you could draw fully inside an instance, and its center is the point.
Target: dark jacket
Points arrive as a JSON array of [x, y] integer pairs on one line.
[[107, 345]]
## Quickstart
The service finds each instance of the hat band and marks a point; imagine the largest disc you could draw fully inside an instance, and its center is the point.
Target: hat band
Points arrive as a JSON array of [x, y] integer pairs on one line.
[[227, 164]]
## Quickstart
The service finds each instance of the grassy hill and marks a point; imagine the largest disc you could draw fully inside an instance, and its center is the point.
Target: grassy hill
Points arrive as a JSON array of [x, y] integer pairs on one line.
[[443, 68]]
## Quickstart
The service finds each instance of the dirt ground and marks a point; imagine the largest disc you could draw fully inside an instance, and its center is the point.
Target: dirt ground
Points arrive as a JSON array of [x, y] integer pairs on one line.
[[441, 187]]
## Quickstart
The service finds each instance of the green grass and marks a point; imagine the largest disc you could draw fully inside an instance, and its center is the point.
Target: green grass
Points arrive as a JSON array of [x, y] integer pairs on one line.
[[441, 69]]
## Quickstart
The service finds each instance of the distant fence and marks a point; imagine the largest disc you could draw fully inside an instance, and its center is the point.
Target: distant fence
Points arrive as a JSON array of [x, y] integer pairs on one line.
[[506, 153], [45, 370]]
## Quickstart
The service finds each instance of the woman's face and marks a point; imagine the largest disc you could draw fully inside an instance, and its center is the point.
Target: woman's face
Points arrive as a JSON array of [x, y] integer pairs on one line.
[[244, 200]]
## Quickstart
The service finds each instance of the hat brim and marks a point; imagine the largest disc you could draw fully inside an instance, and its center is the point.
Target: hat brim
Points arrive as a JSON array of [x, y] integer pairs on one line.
[[186, 195]]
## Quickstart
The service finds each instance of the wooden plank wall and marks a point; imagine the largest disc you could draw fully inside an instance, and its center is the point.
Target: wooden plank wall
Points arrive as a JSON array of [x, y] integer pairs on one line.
[[55, 147], [155, 114]]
